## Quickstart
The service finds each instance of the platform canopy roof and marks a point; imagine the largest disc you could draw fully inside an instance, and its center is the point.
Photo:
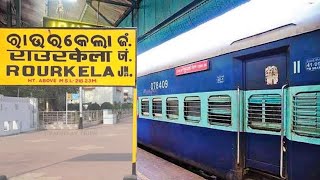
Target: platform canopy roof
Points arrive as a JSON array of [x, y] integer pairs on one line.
[[112, 11], [102, 12]]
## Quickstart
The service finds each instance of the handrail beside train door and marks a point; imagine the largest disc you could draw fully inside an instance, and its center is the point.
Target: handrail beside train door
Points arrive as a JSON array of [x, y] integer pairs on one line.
[[282, 128], [238, 128]]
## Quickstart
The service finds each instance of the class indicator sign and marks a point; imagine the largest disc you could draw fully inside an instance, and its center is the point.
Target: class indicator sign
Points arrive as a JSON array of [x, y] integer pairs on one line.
[[81, 57], [52, 22]]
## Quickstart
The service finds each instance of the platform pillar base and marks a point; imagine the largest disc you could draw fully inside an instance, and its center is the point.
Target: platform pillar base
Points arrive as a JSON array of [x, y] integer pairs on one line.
[[130, 177], [3, 177]]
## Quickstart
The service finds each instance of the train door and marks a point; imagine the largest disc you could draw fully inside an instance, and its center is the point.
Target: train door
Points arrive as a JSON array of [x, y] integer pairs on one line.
[[264, 79]]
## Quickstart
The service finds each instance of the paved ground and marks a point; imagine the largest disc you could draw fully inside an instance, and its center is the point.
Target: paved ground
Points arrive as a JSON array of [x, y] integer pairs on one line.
[[151, 167], [100, 152]]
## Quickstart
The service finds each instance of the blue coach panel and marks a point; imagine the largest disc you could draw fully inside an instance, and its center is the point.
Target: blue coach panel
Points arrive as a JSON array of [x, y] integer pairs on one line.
[[305, 60], [218, 77]]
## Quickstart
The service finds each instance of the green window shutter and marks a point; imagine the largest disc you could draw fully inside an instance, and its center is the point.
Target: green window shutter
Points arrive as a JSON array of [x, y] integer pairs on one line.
[[145, 107], [157, 107], [264, 112], [219, 110], [172, 108], [192, 109], [306, 114]]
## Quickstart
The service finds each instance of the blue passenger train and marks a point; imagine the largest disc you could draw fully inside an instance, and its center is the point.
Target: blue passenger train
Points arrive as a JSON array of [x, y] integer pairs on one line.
[[252, 105]]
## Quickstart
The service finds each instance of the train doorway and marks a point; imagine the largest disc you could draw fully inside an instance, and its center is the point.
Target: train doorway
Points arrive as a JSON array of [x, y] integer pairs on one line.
[[264, 78]]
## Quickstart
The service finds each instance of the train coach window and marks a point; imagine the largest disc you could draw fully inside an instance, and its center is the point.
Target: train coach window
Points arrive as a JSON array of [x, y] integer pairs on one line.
[[306, 114], [192, 109], [156, 107], [172, 108], [219, 110], [264, 112], [145, 107]]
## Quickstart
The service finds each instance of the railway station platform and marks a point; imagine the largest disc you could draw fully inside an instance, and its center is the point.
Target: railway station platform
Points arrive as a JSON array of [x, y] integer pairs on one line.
[[100, 152], [95, 153], [151, 167]]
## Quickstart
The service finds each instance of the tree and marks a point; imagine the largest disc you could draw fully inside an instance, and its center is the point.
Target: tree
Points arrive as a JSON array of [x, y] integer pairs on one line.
[[94, 107], [106, 105], [127, 105], [54, 95], [117, 106], [73, 107]]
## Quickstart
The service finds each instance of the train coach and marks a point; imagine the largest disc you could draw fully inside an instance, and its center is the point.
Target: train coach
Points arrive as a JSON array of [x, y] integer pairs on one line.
[[251, 105]]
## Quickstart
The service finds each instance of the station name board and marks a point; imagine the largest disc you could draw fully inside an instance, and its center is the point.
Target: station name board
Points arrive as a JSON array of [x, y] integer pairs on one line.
[[84, 57]]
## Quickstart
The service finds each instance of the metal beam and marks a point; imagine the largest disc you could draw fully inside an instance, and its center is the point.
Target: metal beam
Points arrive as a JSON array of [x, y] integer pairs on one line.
[[98, 13], [18, 12], [9, 14], [135, 5], [106, 19], [3, 24], [115, 3], [123, 16], [83, 12], [133, 1]]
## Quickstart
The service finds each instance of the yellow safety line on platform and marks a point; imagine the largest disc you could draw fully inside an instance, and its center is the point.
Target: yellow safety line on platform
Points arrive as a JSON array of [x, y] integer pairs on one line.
[[134, 126]]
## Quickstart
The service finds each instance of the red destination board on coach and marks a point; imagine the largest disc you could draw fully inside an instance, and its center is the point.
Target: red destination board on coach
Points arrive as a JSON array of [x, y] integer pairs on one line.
[[191, 68]]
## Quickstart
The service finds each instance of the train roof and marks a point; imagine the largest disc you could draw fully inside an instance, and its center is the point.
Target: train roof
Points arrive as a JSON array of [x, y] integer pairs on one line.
[[254, 23]]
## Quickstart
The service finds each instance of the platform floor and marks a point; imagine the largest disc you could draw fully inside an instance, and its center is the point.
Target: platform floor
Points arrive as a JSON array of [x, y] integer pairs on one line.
[[97, 153], [151, 167], [100, 152]]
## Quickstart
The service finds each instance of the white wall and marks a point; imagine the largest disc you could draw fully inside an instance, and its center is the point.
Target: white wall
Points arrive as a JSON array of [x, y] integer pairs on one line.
[[18, 115], [103, 94]]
